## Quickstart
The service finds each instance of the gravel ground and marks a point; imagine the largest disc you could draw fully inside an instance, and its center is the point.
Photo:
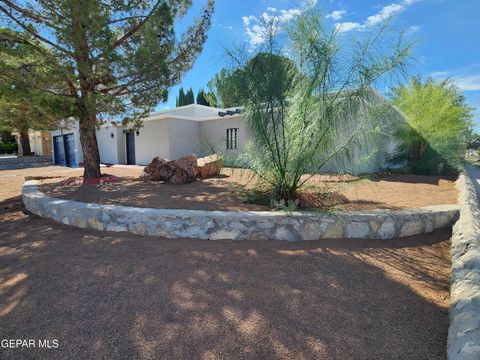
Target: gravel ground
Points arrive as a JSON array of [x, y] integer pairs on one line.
[[120, 296], [388, 192]]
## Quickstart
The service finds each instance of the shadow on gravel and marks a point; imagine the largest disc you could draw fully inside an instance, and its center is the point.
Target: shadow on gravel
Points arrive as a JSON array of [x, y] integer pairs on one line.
[[413, 179], [115, 295]]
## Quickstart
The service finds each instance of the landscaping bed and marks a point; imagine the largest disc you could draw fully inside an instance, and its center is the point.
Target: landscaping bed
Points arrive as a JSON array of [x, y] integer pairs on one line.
[[231, 191]]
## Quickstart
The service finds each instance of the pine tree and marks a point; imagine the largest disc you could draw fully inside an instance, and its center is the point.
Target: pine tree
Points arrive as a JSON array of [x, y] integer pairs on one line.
[[22, 106], [181, 98], [115, 58], [189, 97], [201, 99]]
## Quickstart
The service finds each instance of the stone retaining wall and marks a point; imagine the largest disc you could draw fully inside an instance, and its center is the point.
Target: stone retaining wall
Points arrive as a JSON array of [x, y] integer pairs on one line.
[[14, 160], [213, 225], [464, 331]]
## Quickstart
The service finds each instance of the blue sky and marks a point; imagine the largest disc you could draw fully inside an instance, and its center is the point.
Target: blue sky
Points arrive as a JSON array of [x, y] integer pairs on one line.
[[446, 33]]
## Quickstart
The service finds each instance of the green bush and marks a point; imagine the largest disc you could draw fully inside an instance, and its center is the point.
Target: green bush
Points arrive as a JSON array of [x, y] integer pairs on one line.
[[434, 141], [8, 148]]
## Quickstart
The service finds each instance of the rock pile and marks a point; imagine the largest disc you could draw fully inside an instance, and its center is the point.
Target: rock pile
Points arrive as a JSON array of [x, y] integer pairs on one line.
[[180, 171], [209, 166]]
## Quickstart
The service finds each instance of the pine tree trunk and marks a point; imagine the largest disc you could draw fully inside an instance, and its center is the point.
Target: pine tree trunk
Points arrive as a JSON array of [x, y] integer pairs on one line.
[[88, 139], [86, 104], [25, 143]]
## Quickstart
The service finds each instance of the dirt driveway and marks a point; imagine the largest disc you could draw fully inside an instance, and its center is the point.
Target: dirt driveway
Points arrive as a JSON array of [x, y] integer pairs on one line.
[[120, 296]]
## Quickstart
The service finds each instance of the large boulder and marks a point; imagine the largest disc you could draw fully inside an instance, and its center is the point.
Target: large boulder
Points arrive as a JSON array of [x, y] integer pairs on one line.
[[209, 166], [179, 171]]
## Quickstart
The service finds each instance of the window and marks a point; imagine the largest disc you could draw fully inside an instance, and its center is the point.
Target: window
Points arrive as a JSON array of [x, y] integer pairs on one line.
[[232, 138]]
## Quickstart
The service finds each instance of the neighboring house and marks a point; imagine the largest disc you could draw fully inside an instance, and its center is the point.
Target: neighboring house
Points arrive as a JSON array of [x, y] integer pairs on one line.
[[40, 142], [191, 129]]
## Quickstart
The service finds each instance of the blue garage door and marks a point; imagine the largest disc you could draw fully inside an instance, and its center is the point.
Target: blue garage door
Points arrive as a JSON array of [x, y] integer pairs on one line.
[[59, 150], [64, 149], [69, 142]]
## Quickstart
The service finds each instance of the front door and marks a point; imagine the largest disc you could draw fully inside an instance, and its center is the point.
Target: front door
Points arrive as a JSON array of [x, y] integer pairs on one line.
[[130, 137]]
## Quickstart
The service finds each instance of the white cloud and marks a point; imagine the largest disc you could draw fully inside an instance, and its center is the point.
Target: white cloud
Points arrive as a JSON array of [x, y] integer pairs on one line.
[[440, 74], [336, 15], [413, 29], [347, 26], [287, 15], [247, 19], [467, 83], [466, 78], [255, 27], [385, 13]]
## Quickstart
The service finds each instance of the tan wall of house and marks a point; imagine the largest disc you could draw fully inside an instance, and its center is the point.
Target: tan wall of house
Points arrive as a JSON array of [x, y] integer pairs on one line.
[[47, 144]]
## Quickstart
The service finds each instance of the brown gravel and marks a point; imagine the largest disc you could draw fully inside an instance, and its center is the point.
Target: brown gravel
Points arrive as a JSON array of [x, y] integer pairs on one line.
[[120, 296], [388, 192]]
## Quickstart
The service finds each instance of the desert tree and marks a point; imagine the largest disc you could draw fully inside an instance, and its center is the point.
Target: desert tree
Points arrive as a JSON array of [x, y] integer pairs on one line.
[[115, 58], [319, 105], [438, 125]]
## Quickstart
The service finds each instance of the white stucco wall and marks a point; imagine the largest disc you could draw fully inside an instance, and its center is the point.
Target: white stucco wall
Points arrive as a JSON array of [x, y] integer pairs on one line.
[[184, 138], [111, 148], [121, 146], [152, 141], [213, 134], [169, 134], [193, 111]]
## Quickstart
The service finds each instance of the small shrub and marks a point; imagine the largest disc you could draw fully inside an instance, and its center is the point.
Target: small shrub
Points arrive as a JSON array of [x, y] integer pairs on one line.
[[8, 148]]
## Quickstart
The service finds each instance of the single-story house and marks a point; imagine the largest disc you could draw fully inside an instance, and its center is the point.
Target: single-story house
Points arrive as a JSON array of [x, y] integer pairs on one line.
[[190, 129], [169, 134]]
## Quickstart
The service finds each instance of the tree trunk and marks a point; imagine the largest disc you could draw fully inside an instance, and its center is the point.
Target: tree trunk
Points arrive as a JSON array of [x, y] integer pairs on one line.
[[88, 139], [86, 103], [25, 143]]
